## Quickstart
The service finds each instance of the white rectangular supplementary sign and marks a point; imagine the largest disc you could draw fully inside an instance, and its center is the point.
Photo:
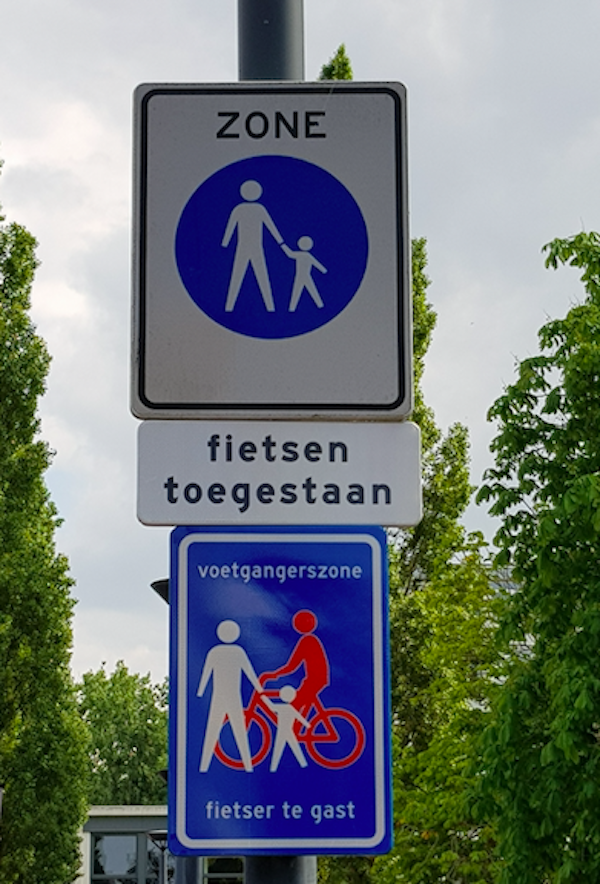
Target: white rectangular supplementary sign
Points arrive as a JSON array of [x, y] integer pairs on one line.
[[271, 252], [280, 472]]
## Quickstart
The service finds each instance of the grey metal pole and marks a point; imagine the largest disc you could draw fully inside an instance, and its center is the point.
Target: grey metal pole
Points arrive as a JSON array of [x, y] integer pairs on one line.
[[281, 870], [271, 47], [271, 39]]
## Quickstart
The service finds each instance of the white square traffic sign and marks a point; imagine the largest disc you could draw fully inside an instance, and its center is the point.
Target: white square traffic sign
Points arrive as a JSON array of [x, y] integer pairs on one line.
[[271, 251]]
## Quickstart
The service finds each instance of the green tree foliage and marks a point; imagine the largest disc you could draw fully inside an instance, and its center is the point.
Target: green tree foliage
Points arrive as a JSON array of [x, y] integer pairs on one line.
[[442, 610], [127, 720], [42, 739], [425, 551], [541, 765], [445, 657], [339, 67], [443, 662]]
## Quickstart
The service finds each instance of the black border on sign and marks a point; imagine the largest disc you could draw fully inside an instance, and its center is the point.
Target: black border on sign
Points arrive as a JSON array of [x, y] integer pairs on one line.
[[404, 367]]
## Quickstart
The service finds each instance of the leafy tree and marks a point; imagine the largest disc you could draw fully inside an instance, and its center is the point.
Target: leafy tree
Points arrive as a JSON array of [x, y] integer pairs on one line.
[[127, 720], [442, 610], [446, 678], [541, 763], [42, 740], [339, 67], [443, 662]]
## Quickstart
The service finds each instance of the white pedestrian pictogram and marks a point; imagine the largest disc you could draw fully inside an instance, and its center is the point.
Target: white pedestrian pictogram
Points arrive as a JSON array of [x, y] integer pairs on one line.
[[226, 663], [272, 247], [250, 218], [304, 265], [287, 718]]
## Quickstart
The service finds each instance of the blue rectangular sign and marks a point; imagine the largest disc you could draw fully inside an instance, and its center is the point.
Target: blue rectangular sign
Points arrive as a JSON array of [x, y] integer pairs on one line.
[[279, 714]]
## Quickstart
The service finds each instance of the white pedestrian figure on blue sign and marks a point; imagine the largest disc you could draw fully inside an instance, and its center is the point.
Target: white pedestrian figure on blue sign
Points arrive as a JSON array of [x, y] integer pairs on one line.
[[287, 716], [303, 278], [250, 218], [226, 663]]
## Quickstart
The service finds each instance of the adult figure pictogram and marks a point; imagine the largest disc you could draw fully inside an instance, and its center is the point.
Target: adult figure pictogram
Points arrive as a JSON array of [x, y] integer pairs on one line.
[[310, 654], [249, 219], [226, 664]]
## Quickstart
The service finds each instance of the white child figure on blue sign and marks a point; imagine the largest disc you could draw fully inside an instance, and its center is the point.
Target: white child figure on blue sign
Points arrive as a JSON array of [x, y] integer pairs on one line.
[[226, 663], [287, 716], [304, 265]]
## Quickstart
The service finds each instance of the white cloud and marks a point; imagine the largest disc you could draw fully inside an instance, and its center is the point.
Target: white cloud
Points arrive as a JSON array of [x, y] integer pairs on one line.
[[140, 639]]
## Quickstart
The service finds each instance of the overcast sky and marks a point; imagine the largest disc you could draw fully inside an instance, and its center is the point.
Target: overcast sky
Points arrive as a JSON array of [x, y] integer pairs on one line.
[[504, 149]]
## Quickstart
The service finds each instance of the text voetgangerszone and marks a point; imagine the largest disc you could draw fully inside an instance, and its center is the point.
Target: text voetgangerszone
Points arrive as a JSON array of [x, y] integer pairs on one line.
[[269, 451], [280, 573]]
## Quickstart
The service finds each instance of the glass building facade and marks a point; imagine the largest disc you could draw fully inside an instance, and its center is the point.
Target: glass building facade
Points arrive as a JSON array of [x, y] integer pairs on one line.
[[126, 845]]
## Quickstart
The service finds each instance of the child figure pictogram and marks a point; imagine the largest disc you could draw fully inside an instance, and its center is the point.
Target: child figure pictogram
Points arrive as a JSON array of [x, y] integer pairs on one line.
[[304, 265], [287, 717]]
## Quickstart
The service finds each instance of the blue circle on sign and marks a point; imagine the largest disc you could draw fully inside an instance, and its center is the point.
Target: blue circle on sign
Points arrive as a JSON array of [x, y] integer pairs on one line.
[[271, 247]]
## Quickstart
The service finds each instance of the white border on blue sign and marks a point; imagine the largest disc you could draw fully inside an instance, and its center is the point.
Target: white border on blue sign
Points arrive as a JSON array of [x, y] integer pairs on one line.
[[379, 683]]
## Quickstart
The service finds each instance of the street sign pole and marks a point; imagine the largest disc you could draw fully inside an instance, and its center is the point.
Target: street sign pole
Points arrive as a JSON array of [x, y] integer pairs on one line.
[[275, 869], [271, 39], [271, 47]]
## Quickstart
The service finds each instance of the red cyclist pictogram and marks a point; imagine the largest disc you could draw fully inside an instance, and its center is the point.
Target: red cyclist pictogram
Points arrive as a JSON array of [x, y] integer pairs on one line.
[[333, 737], [309, 653]]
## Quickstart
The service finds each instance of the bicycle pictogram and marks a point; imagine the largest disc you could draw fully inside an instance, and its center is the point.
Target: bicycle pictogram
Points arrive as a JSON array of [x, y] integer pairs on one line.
[[334, 738]]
